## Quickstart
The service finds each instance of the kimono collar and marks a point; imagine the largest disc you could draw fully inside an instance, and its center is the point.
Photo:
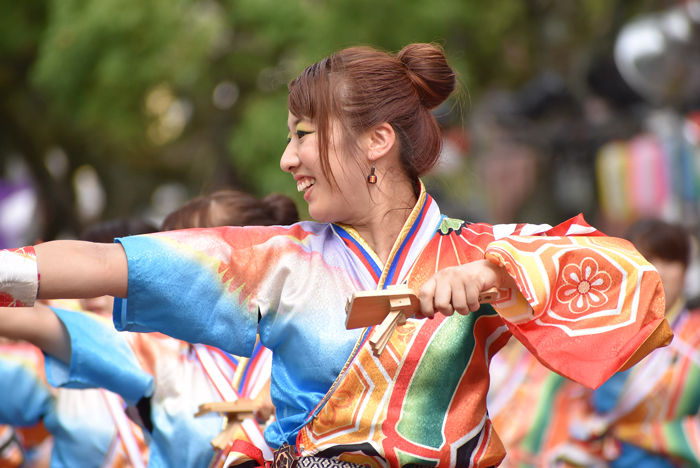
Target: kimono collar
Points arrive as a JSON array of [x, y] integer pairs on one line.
[[417, 231]]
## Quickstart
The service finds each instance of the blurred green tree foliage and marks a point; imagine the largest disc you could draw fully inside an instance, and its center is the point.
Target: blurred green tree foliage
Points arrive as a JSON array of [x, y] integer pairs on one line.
[[195, 90]]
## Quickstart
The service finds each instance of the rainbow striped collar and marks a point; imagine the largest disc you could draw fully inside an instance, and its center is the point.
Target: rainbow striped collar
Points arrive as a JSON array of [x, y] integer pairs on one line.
[[419, 228]]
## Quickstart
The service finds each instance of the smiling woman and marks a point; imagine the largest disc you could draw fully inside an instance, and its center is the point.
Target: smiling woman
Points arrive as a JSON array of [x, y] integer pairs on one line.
[[361, 135], [360, 114]]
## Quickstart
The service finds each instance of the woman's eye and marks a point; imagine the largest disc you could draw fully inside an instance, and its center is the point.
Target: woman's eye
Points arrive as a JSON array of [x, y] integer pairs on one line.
[[299, 134]]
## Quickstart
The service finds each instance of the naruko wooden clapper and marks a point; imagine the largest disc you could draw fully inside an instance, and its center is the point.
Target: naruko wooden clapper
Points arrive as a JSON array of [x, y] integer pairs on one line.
[[388, 308], [234, 412]]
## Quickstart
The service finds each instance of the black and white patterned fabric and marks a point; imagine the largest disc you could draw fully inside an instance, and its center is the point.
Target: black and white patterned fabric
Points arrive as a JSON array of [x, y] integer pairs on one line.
[[319, 462]]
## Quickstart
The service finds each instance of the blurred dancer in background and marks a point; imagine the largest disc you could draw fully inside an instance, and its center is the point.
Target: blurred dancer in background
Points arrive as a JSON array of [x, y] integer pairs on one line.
[[522, 403], [83, 427], [164, 380], [646, 416]]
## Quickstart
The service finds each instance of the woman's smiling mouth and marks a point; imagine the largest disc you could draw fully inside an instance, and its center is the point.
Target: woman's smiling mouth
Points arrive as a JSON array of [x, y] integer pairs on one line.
[[305, 183]]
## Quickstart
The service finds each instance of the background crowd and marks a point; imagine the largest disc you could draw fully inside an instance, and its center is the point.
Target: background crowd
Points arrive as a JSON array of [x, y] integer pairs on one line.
[[127, 109], [114, 109]]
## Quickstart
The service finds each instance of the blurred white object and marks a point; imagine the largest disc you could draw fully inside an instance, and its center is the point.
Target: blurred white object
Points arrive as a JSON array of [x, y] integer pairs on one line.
[[659, 55], [19, 201], [17, 212], [170, 113], [90, 197], [57, 163], [166, 198]]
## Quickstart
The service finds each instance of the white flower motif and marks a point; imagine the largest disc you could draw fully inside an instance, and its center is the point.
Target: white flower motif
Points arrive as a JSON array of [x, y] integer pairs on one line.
[[584, 286]]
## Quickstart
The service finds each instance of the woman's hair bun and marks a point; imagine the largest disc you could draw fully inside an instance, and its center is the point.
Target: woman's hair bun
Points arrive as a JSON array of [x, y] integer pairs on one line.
[[429, 72], [282, 209]]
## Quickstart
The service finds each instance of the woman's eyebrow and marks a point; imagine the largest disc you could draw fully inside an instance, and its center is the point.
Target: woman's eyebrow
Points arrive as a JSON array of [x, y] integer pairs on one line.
[[295, 122]]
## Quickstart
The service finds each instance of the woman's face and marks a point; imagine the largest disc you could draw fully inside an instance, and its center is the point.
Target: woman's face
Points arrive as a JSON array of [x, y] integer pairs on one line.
[[348, 202], [672, 276], [98, 305]]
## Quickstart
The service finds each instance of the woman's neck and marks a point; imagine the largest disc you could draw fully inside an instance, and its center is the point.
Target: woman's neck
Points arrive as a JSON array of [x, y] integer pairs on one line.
[[389, 214]]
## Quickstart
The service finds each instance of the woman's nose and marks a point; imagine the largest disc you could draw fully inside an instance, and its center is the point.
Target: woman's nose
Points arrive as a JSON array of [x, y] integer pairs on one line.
[[289, 159]]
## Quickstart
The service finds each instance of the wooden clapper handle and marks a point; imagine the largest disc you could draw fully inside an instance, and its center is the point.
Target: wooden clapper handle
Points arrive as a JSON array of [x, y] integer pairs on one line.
[[396, 317], [234, 412]]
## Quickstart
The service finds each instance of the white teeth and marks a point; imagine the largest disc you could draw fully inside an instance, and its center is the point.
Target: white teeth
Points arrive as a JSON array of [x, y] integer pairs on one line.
[[303, 184]]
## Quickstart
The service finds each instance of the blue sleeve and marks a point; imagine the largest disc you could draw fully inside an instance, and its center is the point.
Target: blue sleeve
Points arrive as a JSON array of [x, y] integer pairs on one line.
[[100, 358], [24, 397], [185, 284]]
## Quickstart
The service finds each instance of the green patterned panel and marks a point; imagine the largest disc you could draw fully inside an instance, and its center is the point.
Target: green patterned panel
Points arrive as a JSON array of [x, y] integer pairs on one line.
[[690, 397], [407, 458], [430, 392], [677, 441], [540, 422]]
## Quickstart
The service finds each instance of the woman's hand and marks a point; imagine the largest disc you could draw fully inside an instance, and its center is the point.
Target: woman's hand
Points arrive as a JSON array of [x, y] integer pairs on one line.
[[458, 288]]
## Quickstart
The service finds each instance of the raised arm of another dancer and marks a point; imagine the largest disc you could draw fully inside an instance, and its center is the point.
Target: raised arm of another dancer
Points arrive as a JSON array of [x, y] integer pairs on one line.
[[39, 326], [74, 344]]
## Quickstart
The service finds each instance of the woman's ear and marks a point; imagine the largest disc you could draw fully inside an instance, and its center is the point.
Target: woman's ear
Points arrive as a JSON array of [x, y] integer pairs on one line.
[[382, 140]]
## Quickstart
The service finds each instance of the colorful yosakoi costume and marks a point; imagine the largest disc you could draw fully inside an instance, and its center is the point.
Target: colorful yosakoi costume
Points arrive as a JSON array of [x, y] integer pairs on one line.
[[11, 450], [587, 306], [167, 379], [24, 399], [647, 416], [89, 427], [522, 404]]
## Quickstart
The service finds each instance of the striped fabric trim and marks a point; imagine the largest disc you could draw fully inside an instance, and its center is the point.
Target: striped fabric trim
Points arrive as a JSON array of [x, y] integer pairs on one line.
[[419, 228], [124, 428], [259, 365], [420, 234], [405, 239], [360, 248], [228, 393], [216, 375]]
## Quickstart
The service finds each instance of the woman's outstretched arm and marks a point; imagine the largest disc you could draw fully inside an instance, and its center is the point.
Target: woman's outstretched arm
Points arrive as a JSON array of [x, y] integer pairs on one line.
[[39, 326], [76, 269]]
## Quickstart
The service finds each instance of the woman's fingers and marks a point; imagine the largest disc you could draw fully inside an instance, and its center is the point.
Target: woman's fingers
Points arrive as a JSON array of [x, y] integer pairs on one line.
[[463, 296], [472, 294], [445, 294], [457, 289], [426, 295], [459, 298], [443, 298]]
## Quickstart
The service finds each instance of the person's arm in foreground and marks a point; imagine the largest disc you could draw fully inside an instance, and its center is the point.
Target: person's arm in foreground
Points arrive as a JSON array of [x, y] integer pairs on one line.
[[76, 269], [55, 270]]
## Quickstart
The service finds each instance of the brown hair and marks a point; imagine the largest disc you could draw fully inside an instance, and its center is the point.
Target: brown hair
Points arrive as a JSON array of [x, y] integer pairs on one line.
[[362, 87], [657, 239], [232, 208], [106, 231]]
